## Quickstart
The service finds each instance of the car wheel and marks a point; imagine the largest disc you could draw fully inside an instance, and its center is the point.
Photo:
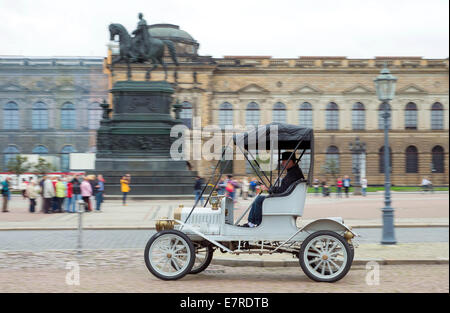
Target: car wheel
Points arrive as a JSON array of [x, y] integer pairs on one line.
[[169, 255], [203, 257], [325, 256]]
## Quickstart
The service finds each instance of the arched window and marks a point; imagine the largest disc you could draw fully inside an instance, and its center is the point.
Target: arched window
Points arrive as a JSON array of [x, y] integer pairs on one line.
[[68, 117], [332, 159], [437, 116], [412, 160], [9, 153], [279, 113], [39, 119], [381, 160], [186, 113], [40, 149], [332, 116], [225, 115], [437, 157], [94, 115], [305, 163], [380, 116], [411, 116], [252, 114], [65, 157], [11, 116], [305, 115], [358, 116]]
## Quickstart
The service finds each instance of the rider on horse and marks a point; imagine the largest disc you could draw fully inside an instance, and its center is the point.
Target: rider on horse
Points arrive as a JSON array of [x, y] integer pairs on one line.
[[142, 38]]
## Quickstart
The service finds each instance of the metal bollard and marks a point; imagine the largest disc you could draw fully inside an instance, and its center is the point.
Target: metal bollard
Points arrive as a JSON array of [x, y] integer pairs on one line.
[[81, 208]]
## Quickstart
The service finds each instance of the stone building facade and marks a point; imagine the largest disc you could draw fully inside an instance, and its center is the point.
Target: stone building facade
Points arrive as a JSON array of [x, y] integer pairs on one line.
[[50, 106], [333, 95]]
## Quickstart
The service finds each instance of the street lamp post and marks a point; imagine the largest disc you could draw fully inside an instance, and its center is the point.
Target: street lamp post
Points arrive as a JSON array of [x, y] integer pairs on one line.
[[385, 88], [357, 149]]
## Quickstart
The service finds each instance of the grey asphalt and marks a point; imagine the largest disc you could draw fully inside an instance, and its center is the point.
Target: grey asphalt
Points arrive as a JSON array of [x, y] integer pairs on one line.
[[41, 240]]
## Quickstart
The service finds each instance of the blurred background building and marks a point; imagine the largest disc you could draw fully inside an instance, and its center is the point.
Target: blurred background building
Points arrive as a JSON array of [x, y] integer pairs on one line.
[[50, 105]]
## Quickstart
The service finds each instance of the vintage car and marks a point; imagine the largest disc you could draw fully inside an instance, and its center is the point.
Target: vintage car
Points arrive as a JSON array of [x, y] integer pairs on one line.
[[185, 243]]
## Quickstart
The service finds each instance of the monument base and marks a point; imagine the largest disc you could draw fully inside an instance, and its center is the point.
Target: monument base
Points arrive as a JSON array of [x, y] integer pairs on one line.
[[137, 141]]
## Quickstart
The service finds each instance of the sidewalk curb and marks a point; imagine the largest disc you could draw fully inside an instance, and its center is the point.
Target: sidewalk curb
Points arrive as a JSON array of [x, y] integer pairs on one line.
[[295, 263], [153, 227]]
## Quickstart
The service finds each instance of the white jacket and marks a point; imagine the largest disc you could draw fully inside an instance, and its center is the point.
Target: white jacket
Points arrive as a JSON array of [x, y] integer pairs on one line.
[[49, 190]]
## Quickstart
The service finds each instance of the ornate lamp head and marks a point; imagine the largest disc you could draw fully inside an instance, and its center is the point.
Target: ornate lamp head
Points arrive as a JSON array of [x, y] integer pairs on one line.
[[385, 84]]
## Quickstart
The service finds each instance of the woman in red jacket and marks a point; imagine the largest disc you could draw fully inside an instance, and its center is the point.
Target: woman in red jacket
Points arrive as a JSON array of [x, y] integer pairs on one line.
[[70, 200], [339, 185]]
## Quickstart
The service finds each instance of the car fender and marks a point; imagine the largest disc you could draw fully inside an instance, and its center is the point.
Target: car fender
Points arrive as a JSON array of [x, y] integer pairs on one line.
[[335, 224]]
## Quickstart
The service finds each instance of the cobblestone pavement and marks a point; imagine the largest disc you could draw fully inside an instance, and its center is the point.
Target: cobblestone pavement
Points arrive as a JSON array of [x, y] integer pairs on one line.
[[125, 239], [409, 208], [125, 271]]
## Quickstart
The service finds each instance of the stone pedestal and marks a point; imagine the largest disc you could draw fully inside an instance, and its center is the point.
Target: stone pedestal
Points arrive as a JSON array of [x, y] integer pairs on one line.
[[137, 141]]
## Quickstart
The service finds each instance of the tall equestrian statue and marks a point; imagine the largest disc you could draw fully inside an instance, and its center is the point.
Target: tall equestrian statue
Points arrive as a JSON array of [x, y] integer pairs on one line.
[[141, 48]]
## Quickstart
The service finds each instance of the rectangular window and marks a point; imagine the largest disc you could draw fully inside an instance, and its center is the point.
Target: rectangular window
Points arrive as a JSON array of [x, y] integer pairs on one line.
[[437, 120], [305, 118], [40, 119], [410, 119], [11, 119], [95, 116], [358, 120], [68, 119], [332, 118]]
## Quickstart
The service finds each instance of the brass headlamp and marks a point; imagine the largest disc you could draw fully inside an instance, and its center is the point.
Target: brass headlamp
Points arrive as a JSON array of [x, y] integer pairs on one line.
[[215, 201], [164, 224]]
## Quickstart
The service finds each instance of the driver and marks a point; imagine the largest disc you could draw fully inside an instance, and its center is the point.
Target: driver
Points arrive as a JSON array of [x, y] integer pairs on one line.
[[293, 174]]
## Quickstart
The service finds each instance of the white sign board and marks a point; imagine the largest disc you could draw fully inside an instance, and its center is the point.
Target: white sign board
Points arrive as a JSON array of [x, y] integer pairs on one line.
[[82, 161]]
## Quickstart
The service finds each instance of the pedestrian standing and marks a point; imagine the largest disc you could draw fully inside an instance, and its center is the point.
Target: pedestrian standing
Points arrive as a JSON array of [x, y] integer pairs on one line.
[[125, 188], [86, 193], [339, 185], [32, 192], [76, 191], [55, 198], [231, 186], [100, 189], [69, 196], [198, 187], [323, 184], [221, 187], [245, 187], [5, 193], [60, 189], [23, 187], [364, 186], [346, 183], [48, 194], [41, 185], [316, 184], [252, 187]]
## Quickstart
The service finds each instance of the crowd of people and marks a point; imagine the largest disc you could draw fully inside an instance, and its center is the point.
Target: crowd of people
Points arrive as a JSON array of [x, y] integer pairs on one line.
[[230, 187], [59, 193], [342, 186]]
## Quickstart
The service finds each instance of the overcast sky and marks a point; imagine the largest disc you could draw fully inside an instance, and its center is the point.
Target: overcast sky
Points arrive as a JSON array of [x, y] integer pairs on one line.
[[280, 28]]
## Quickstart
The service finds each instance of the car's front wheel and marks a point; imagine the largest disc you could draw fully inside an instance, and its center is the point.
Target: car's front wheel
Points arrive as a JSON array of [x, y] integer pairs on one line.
[[169, 255]]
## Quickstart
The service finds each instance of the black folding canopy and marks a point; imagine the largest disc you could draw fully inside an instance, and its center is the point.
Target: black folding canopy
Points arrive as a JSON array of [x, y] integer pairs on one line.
[[288, 136]]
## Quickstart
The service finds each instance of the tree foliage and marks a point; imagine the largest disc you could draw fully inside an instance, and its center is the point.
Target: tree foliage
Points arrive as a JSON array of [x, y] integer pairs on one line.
[[18, 165], [42, 167], [331, 167]]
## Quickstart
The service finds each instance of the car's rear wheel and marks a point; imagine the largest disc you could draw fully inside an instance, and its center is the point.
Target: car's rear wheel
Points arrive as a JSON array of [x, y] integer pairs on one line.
[[325, 256], [203, 257], [169, 255]]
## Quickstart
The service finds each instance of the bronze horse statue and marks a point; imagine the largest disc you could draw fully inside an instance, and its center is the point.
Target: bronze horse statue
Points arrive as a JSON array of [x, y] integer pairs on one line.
[[129, 51]]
